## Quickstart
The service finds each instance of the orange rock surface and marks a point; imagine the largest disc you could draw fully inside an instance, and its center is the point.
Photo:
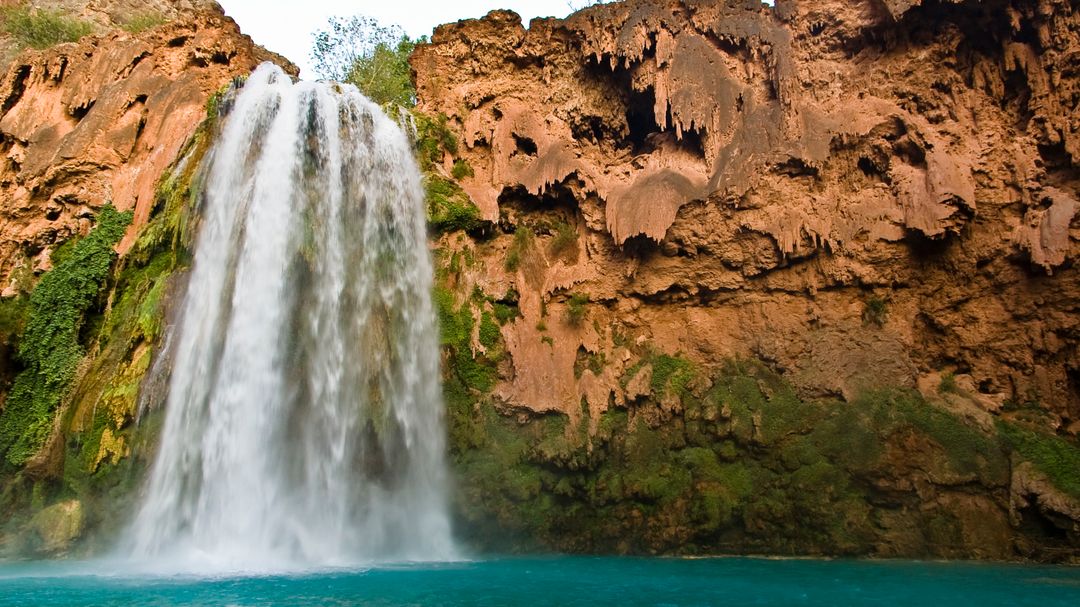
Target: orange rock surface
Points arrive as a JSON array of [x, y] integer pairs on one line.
[[860, 192], [98, 121]]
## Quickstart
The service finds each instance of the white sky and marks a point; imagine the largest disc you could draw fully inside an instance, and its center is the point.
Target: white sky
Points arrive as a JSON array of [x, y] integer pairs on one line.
[[285, 26]]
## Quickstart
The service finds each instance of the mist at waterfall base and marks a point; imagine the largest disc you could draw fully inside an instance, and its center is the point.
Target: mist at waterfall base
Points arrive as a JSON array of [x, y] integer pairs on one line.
[[304, 419], [566, 581]]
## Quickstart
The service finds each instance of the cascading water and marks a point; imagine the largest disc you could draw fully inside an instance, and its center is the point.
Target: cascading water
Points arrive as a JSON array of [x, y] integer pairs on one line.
[[304, 423]]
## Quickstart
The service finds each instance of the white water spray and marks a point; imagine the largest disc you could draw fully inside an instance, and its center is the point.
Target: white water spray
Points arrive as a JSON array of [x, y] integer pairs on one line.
[[304, 421]]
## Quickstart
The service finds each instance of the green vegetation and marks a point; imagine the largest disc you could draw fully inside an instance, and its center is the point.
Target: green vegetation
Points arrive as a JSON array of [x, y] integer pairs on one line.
[[593, 361], [375, 58], [576, 308], [948, 384], [13, 313], [565, 240], [384, 74], [50, 349], [519, 248], [99, 457], [1056, 457], [505, 313], [141, 22], [671, 374], [875, 311], [490, 334], [42, 28], [461, 170], [103, 455], [434, 139], [969, 450], [628, 487], [472, 371], [449, 208], [744, 464]]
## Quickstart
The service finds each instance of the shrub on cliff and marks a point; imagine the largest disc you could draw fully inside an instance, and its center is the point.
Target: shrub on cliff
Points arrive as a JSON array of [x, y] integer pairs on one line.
[[576, 307], [374, 57], [42, 28], [434, 140]]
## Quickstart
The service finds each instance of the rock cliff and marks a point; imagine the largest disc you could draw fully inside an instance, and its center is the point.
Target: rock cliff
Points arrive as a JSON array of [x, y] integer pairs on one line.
[[99, 120], [847, 196], [713, 276]]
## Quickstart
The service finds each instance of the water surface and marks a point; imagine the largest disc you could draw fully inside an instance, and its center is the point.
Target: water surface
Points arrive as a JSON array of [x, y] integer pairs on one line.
[[561, 581]]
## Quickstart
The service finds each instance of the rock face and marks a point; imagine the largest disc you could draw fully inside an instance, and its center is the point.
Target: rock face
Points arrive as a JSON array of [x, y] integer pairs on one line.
[[859, 194], [58, 526], [98, 121]]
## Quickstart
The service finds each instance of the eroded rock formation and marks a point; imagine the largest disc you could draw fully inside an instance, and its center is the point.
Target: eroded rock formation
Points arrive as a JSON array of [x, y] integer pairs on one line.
[[98, 121], [861, 194]]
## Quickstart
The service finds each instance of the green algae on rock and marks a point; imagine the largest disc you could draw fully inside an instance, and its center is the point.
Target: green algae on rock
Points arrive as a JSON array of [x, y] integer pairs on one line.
[[49, 348], [96, 454]]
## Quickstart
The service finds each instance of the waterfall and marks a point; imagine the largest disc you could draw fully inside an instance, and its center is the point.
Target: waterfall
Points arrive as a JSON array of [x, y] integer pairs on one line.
[[304, 419]]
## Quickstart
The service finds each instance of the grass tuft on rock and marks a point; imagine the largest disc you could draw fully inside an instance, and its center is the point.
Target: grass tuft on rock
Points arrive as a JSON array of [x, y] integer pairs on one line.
[[141, 22], [462, 170], [519, 248], [42, 28]]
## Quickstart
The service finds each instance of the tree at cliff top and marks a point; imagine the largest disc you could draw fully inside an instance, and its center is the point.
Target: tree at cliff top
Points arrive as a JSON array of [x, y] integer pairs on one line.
[[375, 58]]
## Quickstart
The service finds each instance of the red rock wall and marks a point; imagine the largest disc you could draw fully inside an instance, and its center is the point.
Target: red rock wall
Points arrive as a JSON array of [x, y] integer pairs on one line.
[[861, 192], [98, 121]]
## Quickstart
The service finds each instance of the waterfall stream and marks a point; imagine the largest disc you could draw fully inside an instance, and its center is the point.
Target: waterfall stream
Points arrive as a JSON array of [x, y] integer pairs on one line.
[[304, 424]]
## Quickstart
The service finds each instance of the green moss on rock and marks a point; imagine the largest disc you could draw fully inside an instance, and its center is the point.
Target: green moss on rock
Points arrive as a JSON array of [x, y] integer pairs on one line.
[[449, 208], [1054, 456], [434, 139], [50, 348], [490, 334], [748, 466]]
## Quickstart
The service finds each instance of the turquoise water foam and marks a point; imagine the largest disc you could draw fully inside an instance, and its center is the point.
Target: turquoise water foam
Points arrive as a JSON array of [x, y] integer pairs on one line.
[[563, 581]]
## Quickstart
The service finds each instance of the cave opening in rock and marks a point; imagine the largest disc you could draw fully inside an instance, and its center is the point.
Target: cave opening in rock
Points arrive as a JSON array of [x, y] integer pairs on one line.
[[641, 120], [645, 135], [80, 112], [524, 146], [1037, 524], [1057, 161], [868, 168], [1073, 375], [557, 199]]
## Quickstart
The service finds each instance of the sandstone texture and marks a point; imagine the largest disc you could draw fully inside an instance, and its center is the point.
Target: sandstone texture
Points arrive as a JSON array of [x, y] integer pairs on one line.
[[858, 194], [98, 121]]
